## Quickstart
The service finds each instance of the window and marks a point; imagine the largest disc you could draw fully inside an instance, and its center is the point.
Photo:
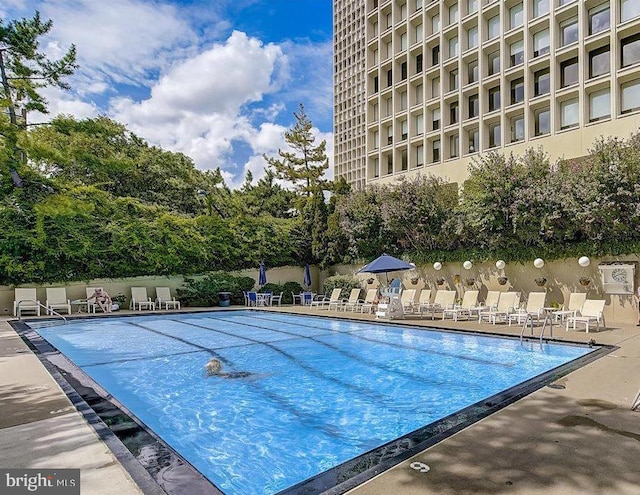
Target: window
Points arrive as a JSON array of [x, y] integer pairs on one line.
[[599, 62], [419, 91], [419, 124], [630, 50], [418, 32], [403, 11], [541, 82], [389, 20], [494, 98], [473, 71], [453, 113], [599, 105], [418, 4], [403, 100], [474, 140], [516, 16], [495, 135], [454, 145], [435, 87], [376, 112], [453, 80], [435, 119], [375, 84], [472, 37], [517, 53], [389, 78], [630, 96], [629, 9], [453, 46], [542, 124], [569, 113], [404, 126], [389, 106], [493, 25], [419, 155], [453, 13], [494, 63], [569, 31], [569, 72], [517, 90], [376, 140], [517, 128], [435, 23], [418, 63], [389, 164], [404, 160], [403, 71], [376, 167], [474, 106], [390, 134], [403, 41], [435, 147], [435, 55], [540, 7], [472, 6], [599, 18], [541, 43]]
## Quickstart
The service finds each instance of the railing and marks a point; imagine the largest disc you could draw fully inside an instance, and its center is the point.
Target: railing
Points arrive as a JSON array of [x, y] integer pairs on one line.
[[48, 310]]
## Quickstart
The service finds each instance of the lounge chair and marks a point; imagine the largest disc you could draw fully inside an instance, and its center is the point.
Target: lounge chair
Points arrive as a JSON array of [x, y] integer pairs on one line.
[[163, 298], [390, 310], [468, 304], [333, 299], [534, 309], [369, 302], [140, 299], [408, 300], [57, 300], [507, 303], [444, 299], [592, 310], [353, 302], [424, 299], [576, 301], [25, 299], [490, 302]]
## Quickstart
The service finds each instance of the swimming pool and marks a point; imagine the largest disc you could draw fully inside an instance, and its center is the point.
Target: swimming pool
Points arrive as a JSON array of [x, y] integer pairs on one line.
[[321, 392]]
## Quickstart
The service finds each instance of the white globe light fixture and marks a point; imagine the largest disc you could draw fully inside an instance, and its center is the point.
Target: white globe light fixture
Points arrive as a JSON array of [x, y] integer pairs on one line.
[[538, 262], [437, 265], [467, 265], [500, 264], [584, 261]]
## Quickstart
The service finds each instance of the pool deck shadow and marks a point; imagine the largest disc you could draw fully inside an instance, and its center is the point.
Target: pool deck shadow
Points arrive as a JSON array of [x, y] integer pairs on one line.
[[576, 436]]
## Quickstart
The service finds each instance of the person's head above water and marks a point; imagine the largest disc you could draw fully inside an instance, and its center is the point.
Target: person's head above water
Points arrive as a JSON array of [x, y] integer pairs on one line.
[[213, 367]]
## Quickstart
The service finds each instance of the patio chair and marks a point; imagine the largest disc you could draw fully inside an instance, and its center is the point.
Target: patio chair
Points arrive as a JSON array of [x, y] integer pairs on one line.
[[407, 298], [576, 301], [163, 298], [296, 298], [252, 298], [592, 310], [353, 302], [507, 302], [334, 299], [369, 302], [140, 299], [275, 299], [444, 299], [469, 302], [25, 299], [390, 310], [57, 300], [91, 301], [424, 299], [534, 309]]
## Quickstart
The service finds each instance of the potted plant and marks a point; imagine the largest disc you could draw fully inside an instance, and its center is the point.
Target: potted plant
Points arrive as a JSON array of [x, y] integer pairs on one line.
[[440, 281], [120, 299], [540, 281], [502, 280], [456, 279], [585, 281], [414, 281], [370, 280], [470, 281]]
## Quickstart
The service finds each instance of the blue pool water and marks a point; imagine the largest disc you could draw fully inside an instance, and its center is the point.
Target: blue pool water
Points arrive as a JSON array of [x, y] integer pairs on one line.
[[321, 391]]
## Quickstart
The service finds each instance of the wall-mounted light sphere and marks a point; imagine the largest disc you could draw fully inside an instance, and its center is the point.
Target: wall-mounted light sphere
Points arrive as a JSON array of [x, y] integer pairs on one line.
[[467, 265], [538, 262], [437, 265], [584, 261], [500, 264]]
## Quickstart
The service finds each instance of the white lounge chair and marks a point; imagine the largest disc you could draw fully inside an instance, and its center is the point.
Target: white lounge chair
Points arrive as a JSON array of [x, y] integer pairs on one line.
[[163, 298], [408, 300], [592, 310], [57, 300], [369, 302], [353, 302], [444, 299], [468, 304], [424, 299], [334, 299], [140, 299], [575, 303], [534, 309], [507, 303], [25, 299]]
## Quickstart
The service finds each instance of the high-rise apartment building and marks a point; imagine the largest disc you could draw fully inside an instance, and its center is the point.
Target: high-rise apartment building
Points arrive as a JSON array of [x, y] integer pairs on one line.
[[445, 80]]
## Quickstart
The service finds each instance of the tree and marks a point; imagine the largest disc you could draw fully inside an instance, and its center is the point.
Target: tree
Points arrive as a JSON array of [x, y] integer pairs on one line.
[[23, 71], [305, 165]]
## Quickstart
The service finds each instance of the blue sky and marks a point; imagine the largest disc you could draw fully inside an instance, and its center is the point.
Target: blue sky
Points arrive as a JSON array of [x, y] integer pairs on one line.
[[215, 79]]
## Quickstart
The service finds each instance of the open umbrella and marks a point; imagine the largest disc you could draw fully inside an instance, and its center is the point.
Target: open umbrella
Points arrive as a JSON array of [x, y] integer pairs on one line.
[[307, 276], [385, 264], [262, 277]]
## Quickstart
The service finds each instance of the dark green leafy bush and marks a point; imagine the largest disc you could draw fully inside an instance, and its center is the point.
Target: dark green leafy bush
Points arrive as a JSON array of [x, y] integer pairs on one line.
[[204, 291]]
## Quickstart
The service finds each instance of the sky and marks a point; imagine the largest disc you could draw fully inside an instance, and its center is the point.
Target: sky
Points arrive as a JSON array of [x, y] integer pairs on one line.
[[217, 80]]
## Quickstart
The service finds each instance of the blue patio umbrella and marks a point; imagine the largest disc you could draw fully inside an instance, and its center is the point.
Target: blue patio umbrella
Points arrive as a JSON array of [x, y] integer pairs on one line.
[[307, 276], [385, 264], [262, 277]]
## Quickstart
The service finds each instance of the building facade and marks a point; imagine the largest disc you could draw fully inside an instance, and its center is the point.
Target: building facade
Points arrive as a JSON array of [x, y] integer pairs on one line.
[[447, 80]]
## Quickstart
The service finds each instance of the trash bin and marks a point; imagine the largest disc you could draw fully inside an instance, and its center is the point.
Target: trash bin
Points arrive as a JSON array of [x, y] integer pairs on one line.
[[224, 298]]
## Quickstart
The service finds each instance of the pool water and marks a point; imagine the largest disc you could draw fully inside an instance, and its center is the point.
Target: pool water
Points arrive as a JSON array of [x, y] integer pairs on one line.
[[320, 391]]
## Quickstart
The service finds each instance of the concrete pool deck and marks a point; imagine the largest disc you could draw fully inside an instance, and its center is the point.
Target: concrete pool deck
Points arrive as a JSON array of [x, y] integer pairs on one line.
[[577, 436]]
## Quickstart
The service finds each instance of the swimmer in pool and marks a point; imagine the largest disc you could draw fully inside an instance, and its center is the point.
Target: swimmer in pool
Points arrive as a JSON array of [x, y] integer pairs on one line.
[[214, 368]]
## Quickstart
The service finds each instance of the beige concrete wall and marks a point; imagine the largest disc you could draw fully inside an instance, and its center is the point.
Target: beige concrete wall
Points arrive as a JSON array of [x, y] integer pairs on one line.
[[562, 279]]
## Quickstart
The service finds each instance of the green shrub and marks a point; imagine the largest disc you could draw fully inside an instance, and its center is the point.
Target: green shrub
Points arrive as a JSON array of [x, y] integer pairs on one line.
[[288, 288], [204, 291], [344, 282]]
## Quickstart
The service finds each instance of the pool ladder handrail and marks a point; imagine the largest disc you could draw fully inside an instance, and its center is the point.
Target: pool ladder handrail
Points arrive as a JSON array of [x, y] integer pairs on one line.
[[547, 319], [48, 310]]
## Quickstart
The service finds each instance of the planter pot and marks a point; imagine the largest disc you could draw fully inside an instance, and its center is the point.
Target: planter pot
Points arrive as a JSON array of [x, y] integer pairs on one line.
[[540, 282], [414, 281], [370, 281], [224, 299], [440, 281], [502, 280], [456, 279], [585, 282], [470, 281]]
